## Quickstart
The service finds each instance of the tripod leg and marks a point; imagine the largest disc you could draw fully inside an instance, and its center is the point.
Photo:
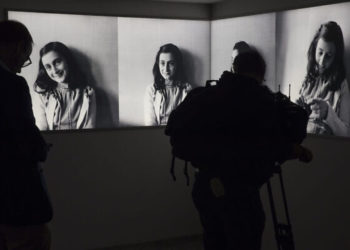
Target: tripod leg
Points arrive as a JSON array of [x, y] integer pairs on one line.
[[274, 216], [284, 198], [289, 233]]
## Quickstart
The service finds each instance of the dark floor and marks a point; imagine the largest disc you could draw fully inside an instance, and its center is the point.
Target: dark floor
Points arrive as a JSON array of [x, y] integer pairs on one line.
[[183, 243]]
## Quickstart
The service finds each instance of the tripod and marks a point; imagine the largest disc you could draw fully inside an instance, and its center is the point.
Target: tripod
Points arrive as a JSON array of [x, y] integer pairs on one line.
[[283, 231]]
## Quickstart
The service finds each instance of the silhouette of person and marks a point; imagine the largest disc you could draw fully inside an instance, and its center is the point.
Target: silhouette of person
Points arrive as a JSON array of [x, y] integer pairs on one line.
[[226, 189], [239, 47], [25, 208], [63, 100], [169, 87], [325, 91]]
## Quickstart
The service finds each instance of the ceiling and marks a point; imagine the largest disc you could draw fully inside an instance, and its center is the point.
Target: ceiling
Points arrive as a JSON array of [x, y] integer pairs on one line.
[[190, 1]]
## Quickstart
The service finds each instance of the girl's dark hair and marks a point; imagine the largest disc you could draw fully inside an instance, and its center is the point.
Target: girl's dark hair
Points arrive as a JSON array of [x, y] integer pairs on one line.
[[76, 79], [330, 32], [179, 77]]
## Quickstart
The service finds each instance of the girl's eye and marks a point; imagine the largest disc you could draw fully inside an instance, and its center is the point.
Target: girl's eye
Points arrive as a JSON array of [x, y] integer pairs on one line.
[[57, 61], [47, 67]]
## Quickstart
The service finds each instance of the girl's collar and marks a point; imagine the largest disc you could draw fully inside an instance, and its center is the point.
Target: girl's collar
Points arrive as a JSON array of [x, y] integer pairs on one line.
[[62, 85]]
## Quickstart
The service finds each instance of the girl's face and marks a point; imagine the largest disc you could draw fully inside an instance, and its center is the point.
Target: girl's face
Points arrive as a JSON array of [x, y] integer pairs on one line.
[[167, 65], [56, 66], [325, 54]]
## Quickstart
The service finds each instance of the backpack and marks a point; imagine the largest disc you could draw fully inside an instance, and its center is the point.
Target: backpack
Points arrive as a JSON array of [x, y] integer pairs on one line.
[[190, 129], [198, 137]]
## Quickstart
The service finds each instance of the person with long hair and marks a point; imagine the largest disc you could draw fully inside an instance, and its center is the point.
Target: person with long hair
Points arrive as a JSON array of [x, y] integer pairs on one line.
[[325, 91], [63, 100], [169, 88]]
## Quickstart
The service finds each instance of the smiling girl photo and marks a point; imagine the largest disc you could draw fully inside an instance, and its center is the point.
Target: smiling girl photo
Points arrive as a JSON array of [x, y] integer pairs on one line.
[[169, 88], [63, 98]]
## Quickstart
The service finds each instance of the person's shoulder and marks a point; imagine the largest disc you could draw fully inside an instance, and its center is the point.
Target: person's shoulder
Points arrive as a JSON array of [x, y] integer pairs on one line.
[[246, 84], [200, 89], [5, 74], [236, 82], [255, 90], [265, 90], [12, 81], [265, 94], [150, 89]]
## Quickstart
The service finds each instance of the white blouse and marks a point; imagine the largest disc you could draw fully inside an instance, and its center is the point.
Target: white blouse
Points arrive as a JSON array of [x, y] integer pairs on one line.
[[159, 104], [65, 108]]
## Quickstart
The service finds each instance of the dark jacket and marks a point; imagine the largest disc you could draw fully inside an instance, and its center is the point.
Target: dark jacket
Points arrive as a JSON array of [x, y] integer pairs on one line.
[[23, 196], [245, 110], [243, 139]]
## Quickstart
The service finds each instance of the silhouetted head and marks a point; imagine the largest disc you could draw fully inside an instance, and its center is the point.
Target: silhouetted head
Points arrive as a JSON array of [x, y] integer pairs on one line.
[[251, 64], [168, 66], [326, 53], [15, 45], [239, 47], [58, 65]]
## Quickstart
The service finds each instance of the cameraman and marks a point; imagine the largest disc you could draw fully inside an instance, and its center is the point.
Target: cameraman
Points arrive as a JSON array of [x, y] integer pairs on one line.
[[226, 191]]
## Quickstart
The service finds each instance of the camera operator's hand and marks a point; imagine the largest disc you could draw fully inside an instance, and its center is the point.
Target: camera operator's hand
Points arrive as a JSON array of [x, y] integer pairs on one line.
[[303, 153]]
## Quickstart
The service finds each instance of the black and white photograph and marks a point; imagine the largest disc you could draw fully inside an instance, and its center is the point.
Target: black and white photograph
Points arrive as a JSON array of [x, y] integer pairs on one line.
[[313, 61], [160, 61], [234, 35], [73, 77]]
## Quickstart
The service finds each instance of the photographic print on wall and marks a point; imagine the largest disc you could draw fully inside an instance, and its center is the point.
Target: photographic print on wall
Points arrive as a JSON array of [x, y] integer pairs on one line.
[[256, 31], [136, 70], [73, 78], [120, 57], [160, 60], [313, 57]]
